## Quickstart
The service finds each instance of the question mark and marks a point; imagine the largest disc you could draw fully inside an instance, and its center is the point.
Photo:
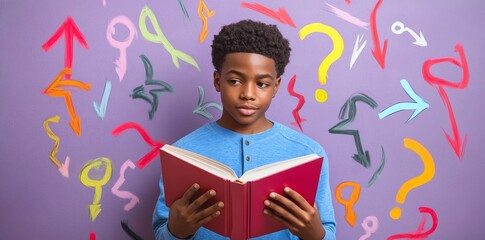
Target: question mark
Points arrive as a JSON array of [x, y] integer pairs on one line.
[[369, 229], [424, 177], [350, 215], [338, 48], [95, 208]]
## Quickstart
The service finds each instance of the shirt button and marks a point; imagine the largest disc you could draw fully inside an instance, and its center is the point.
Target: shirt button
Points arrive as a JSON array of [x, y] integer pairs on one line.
[[248, 158], [247, 142]]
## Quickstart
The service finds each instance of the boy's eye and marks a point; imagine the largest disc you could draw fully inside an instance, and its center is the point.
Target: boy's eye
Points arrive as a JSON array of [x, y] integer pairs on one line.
[[234, 82], [262, 85]]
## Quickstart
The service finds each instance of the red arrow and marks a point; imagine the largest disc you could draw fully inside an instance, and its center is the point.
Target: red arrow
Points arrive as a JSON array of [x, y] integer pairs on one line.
[[379, 54], [70, 30], [143, 161], [456, 142], [280, 15]]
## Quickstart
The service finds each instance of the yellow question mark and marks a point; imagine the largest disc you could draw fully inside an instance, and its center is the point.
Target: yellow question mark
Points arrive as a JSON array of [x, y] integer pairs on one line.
[[95, 208], [424, 177], [338, 48]]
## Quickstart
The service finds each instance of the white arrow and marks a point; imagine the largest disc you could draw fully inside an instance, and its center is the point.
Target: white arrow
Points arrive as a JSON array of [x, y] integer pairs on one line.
[[357, 50], [399, 28]]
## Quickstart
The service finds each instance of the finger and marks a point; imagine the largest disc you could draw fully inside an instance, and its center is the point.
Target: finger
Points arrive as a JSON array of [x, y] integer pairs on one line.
[[282, 209], [201, 200], [298, 199], [279, 219], [209, 213], [190, 193]]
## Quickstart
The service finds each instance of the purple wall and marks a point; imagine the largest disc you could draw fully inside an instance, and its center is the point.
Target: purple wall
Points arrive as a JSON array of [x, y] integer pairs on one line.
[[38, 202]]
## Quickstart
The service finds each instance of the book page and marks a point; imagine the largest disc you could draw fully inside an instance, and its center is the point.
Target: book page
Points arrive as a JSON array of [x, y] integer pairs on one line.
[[202, 162], [275, 167]]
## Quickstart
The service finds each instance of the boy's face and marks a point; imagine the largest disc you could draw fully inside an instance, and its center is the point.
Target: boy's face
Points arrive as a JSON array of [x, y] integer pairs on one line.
[[247, 83]]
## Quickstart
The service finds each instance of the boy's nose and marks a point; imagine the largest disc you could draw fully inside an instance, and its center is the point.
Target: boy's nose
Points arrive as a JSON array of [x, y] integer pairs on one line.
[[248, 92]]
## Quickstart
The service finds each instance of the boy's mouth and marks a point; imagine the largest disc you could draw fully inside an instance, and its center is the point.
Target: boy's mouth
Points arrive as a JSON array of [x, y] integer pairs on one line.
[[246, 110]]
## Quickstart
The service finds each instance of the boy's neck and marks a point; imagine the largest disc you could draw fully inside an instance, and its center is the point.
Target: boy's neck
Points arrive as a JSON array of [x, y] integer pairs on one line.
[[247, 129]]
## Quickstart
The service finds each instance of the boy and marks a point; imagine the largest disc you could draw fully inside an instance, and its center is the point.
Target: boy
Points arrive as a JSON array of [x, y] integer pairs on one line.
[[249, 58]]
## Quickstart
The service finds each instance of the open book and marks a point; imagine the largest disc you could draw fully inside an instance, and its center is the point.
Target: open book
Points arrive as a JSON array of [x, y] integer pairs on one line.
[[242, 216]]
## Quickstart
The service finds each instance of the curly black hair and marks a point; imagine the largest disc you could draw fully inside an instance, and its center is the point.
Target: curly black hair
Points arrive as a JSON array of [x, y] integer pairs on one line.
[[251, 37]]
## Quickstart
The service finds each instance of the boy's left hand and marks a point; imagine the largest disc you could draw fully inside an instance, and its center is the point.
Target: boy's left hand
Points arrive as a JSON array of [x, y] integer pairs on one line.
[[296, 214]]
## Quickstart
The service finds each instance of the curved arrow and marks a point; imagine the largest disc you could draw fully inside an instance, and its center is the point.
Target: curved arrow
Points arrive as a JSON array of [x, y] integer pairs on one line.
[[201, 9], [418, 105], [143, 161], [378, 52], [139, 92], [63, 167], [349, 111], [202, 107]]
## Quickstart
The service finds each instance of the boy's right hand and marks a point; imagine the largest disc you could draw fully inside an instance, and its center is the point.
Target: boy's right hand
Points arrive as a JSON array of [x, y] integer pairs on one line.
[[186, 217]]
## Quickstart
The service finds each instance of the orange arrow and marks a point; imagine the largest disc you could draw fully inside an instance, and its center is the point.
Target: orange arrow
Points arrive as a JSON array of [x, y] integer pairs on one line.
[[55, 90]]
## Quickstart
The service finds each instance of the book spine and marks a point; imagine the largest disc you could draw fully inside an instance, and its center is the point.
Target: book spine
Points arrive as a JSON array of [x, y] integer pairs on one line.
[[239, 211]]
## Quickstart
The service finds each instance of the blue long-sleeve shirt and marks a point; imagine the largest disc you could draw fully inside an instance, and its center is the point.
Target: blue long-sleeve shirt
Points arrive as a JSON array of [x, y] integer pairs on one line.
[[243, 152]]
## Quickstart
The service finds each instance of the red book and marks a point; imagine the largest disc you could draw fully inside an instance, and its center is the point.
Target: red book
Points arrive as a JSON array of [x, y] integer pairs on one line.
[[242, 216]]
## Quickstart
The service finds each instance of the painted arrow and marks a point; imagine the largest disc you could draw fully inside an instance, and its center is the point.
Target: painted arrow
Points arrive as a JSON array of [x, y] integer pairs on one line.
[[70, 31], [202, 107], [143, 161], [399, 28], [301, 102], [434, 217], [378, 52], [139, 92], [418, 105], [280, 15], [55, 89], [348, 113], [357, 49], [86, 180], [205, 18], [455, 141], [62, 167], [101, 108]]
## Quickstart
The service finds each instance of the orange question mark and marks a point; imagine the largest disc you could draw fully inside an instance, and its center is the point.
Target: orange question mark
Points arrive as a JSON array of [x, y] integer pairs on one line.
[[338, 48], [424, 177], [350, 215]]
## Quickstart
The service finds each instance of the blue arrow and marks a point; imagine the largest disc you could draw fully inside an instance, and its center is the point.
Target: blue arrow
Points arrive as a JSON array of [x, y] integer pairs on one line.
[[418, 105], [201, 107], [101, 109]]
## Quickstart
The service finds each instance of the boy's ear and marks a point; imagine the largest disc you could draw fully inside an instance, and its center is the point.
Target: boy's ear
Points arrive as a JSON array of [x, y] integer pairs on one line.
[[217, 81], [277, 85]]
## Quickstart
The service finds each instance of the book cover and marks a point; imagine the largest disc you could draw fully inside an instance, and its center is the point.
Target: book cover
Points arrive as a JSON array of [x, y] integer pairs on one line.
[[242, 217]]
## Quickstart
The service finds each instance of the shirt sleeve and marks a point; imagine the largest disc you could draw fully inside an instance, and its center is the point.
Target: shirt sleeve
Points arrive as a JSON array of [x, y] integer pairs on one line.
[[160, 218], [324, 202]]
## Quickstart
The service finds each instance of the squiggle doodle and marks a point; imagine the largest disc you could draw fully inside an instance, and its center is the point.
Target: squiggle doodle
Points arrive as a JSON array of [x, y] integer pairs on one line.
[[301, 102], [95, 207], [155, 145], [130, 232], [55, 90], [122, 46], [350, 215], [201, 9], [139, 92], [202, 107], [416, 236], [146, 12], [125, 194], [63, 168], [369, 229], [280, 15]]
